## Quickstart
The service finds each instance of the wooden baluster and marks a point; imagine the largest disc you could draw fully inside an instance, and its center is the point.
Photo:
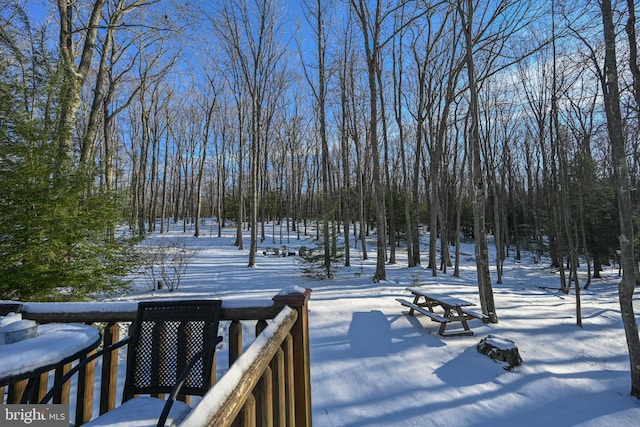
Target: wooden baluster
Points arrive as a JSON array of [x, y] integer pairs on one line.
[[41, 388], [214, 376], [235, 350], [16, 390], [84, 396], [260, 325], [247, 416], [109, 374], [264, 399], [301, 361], [264, 389], [235, 341], [279, 402], [63, 395], [290, 399]]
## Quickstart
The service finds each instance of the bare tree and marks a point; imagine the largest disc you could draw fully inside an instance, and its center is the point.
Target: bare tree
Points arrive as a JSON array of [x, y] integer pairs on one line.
[[372, 23], [316, 16], [498, 115], [147, 126], [631, 275], [397, 53], [438, 63], [208, 104], [104, 83], [478, 35], [75, 68], [371, 26], [345, 152], [354, 132], [479, 194], [250, 41]]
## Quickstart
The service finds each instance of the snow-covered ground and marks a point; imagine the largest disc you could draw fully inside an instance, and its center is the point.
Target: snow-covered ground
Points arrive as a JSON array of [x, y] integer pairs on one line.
[[372, 365]]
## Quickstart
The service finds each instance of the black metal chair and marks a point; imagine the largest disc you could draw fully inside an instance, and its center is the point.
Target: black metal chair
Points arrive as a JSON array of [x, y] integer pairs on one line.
[[171, 346]]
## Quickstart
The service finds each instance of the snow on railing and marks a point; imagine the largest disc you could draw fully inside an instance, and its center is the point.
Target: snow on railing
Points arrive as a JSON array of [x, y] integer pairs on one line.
[[282, 320], [258, 378]]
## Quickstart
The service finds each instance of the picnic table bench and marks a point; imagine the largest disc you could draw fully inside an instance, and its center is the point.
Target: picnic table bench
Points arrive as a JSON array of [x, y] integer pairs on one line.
[[453, 310]]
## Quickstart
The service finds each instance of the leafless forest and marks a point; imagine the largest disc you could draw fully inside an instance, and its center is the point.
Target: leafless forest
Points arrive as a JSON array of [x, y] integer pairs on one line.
[[514, 119]]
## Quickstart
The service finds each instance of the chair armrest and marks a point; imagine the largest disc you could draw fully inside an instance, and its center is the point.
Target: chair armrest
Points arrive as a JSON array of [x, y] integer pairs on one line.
[[182, 378], [58, 386]]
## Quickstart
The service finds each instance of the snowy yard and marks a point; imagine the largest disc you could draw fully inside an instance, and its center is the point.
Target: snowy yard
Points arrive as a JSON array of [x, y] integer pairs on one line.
[[372, 365]]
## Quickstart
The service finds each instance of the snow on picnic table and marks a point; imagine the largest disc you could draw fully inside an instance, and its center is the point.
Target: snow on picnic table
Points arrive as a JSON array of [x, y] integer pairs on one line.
[[372, 365]]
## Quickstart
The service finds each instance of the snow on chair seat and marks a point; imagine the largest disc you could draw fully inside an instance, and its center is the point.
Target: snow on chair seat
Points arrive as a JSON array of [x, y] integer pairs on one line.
[[140, 412]]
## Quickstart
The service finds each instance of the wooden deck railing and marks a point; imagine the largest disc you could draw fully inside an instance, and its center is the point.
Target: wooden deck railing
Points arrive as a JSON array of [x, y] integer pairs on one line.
[[267, 383]]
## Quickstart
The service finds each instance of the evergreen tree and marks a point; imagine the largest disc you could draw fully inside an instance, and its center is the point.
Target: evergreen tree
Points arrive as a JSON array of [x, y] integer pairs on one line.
[[55, 242], [599, 213]]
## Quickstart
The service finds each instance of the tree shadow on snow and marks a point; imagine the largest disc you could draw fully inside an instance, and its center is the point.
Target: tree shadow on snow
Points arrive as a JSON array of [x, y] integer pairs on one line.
[[477, 368], [369, 334]]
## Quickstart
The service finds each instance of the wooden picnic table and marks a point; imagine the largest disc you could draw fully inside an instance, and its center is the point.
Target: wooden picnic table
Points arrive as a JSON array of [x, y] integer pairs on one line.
[[452, 310]]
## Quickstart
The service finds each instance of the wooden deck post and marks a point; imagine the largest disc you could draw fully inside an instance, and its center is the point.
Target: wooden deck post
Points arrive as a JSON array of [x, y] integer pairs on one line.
[[84, 401], [109, 369], [302, 370], [235, 341]]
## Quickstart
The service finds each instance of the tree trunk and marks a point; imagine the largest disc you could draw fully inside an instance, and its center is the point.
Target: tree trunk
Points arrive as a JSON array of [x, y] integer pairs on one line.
[[344, 149], [459, 192], [74, 76], [387, 181], [239, 240], [479, 189], [397, 55], [372, 50], [621, 170]]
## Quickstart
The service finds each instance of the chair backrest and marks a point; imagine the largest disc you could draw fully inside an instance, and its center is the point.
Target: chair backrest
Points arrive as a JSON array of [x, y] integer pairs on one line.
[[164, 338]]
